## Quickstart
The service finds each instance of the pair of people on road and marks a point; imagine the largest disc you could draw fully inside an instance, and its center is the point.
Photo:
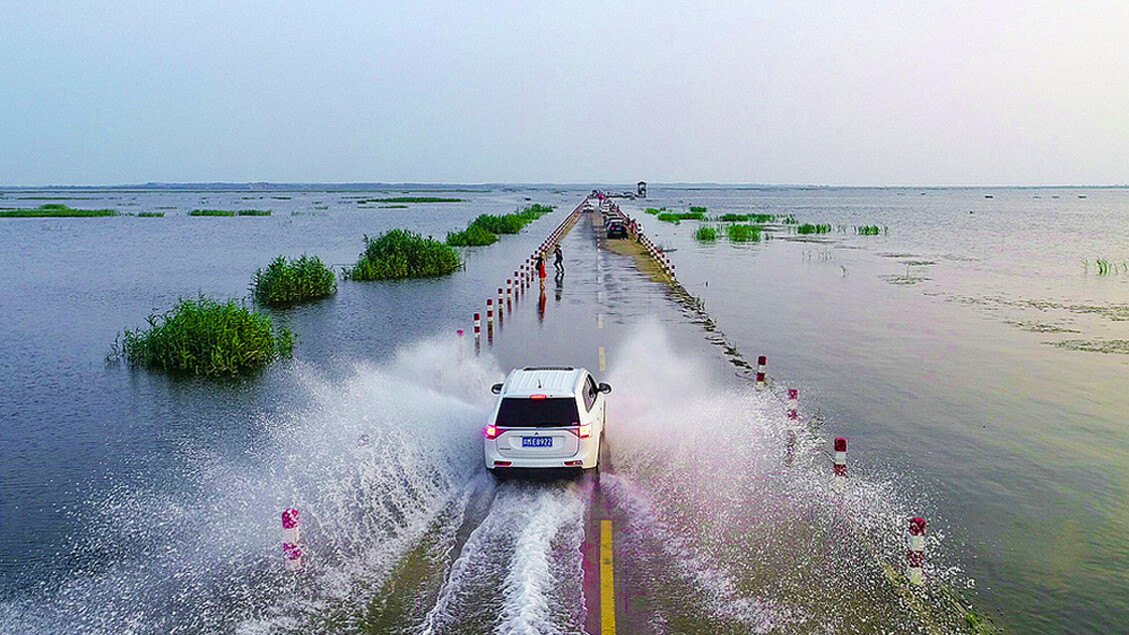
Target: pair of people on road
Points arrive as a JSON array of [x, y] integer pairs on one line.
[[558, 263]]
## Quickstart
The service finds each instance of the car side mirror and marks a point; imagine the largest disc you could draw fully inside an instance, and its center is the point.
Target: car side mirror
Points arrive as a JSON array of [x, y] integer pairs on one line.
[[496, 389], [605, 388]]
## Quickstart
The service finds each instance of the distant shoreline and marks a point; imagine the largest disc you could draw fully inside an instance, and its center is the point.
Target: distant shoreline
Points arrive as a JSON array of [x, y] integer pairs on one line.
[[484, 187]]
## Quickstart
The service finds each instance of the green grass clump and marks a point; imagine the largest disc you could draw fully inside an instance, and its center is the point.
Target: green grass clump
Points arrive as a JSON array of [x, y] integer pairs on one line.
[[253, 212], [676, 217], [808, 228], [204, 337], [484, 229], [743, 233], [504, 224], [652, 211], [534, 211], [697, 209], [56, 210], [403, 254], [868, 230], [409, 199], [789, 220], [1105, 266], [745, 218], [150, 214], [284, 283], [472, 236], [211, 212], [706, 234]]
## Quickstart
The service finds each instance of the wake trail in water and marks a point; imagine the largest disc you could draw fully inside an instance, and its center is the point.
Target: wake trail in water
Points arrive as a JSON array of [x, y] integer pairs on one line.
[[520, 572]]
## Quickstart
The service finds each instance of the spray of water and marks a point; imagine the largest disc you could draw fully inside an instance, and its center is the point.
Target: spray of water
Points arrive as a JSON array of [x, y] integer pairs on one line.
[[371, 464], [757, 530]]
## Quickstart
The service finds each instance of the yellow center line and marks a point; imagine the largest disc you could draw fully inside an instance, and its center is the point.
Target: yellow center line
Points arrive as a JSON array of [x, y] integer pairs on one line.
[[607, 583], [600, 321], [603, 363]]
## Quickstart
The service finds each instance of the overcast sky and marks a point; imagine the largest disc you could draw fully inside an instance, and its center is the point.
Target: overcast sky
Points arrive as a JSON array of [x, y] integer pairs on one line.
[[839, 92]]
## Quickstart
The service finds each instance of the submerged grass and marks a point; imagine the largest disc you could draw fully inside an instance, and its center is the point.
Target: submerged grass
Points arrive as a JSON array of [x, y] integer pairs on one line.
[[744, 218], [484, 229], [253, 212], [677, 217], [403, 254], [697, 209], [706, 234], [203, 337], [285, 283], [654, 212], [56, 210], [808, 228], [211, 212], [869, 230], [1105, 266], [743, 233], [150, 214], [472, 236]]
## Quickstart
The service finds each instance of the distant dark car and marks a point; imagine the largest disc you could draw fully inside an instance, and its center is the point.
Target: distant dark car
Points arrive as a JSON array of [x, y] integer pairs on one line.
[[617, 229]]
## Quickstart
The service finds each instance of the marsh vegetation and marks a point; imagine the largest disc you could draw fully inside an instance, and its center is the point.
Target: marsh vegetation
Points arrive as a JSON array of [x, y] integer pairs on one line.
[[56, 210], [403, 254], [288, 282], [203, 337]]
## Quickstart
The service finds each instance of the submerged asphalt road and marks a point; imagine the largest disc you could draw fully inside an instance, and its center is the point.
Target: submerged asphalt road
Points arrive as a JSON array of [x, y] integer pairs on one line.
[[699, 520]]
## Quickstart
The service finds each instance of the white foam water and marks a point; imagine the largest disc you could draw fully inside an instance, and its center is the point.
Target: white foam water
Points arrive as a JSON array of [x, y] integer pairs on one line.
[[370, 465], [520, 570], [704, 473]]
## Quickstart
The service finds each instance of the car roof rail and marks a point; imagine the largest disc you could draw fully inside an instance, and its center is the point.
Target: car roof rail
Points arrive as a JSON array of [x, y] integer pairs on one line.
[[548, 368]]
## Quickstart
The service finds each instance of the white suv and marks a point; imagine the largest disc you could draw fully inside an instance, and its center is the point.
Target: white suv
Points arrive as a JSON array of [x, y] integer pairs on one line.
[[547, 417]]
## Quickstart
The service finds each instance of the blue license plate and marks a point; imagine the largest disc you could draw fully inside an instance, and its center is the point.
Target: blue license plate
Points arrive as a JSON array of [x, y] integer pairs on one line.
[[537, 442]]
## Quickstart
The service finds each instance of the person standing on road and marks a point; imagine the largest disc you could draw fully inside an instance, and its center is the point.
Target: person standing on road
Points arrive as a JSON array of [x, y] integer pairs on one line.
[[559, 261], [541, 269]]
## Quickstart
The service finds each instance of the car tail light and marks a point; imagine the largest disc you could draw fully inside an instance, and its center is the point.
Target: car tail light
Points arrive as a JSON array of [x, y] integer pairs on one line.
[[502, 463], [491, 432], [584, 431], [573, 463], [537, 396]]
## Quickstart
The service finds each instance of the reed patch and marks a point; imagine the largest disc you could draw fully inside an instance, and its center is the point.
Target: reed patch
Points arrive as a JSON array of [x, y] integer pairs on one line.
[[706, 234], [403, 254], [808, 228], [743, 233], [57, 210], [203, 337], [287, 282]]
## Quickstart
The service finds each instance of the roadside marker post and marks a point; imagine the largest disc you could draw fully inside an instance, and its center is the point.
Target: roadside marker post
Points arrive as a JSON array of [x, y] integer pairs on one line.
[[477, 326], [291, 540], [489, 311], [793, 404], [916, 554], [840, 464], [762, 364]]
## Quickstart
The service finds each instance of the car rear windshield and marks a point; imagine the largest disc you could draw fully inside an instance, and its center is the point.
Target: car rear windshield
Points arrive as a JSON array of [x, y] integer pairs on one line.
[[537, 413]]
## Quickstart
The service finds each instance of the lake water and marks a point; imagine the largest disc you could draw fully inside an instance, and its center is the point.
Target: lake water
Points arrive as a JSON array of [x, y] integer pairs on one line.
[[931, 346]]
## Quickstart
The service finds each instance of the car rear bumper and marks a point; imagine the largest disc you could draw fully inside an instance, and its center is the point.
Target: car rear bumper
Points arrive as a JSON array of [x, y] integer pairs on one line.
[[583, 460]]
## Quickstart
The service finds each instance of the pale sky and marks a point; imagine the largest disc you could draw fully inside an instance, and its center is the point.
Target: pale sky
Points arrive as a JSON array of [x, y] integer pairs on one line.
[[851, 93]]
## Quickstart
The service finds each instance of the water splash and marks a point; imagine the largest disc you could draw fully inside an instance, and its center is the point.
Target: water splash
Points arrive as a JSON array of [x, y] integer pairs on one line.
[[371, 463]]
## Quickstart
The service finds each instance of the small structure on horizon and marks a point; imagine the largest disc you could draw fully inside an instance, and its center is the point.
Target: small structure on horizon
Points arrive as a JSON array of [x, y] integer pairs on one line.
[[641, 189]]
